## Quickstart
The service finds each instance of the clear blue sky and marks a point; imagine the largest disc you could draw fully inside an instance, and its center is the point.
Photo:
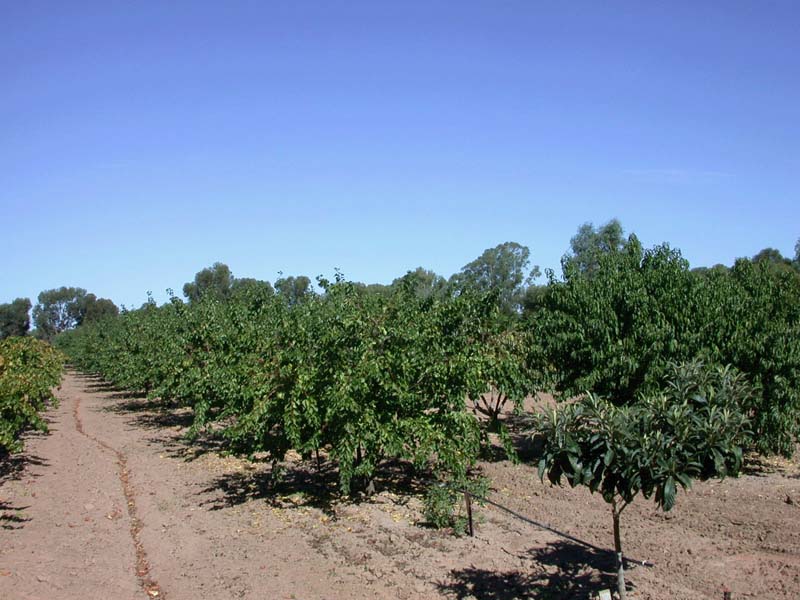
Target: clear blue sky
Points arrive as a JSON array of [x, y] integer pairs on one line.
[[142, 141]]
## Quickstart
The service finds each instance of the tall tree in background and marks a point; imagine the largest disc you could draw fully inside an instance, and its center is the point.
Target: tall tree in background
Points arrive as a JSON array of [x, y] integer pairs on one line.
[[294, 289], [246, 285], [427, 284], [14, 318], [58, 310], [771, 256], [590, 243], [216, 279], [95, 309], [505, 269]]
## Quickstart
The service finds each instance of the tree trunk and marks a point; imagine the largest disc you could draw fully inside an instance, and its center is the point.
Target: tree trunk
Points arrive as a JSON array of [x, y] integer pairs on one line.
[[618, 550]]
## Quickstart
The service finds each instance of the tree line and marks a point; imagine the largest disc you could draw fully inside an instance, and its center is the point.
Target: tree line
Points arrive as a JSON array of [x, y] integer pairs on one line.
[[505, 269]]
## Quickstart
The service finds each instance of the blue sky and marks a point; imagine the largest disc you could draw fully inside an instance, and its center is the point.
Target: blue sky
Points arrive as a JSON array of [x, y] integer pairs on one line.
[[141, 142]]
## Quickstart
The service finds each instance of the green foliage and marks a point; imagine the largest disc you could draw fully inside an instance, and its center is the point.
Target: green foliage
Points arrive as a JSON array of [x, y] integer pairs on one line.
[[775, 260], [444, 503], [95, 309], [750, 318], [427, 284], [29, 369], [368, 377], [797, 254], [294, 290], [503, 270], [590, 244], [58, 310], [359, 375], [692, 429], [248, 285], [215, 280], [616, 332], [14, 318]]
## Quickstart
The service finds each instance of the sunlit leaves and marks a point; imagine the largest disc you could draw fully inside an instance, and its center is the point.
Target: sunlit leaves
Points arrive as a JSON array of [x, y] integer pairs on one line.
[[692, 429], [29, 370]]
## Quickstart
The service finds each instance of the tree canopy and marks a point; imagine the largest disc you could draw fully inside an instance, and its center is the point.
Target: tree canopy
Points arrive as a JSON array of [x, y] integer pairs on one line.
[[95, 308], [426, 283], [590, 243], [216, 279], [294, 289], [58, 310], [615, 333], [504, 269], [14, 318]]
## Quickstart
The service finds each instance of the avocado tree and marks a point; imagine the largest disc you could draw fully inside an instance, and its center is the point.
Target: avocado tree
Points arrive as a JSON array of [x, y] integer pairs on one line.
[[692, 429]]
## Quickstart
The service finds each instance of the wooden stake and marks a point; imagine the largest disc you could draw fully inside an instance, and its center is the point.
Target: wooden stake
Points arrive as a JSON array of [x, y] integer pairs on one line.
[[468, 502]]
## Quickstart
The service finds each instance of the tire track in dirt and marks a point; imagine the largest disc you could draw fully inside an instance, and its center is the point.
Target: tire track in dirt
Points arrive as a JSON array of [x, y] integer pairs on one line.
[[142, 567]]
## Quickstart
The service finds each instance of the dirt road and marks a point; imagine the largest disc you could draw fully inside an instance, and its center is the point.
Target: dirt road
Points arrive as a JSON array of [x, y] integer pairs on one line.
[[113, 504]]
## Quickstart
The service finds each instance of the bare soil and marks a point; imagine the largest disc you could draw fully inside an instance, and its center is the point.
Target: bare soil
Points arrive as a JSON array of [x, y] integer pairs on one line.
[[112, 503]]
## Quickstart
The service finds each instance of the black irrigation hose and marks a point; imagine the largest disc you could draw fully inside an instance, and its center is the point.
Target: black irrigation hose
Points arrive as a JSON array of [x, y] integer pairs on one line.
[[513, 513]]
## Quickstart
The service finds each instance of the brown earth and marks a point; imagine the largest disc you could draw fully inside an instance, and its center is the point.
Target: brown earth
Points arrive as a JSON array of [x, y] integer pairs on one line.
[[112, 504]]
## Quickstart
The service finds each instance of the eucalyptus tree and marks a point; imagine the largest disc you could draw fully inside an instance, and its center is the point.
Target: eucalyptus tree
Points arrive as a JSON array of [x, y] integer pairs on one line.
[[591, 243], [505, 270], [58, 310]]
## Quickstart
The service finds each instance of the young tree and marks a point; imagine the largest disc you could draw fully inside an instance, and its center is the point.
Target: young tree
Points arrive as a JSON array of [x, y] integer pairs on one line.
[[14, 318], [504, 269], [692, 429]]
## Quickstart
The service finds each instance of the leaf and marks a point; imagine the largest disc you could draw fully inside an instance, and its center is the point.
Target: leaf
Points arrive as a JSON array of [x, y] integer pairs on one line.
[[669, 494]]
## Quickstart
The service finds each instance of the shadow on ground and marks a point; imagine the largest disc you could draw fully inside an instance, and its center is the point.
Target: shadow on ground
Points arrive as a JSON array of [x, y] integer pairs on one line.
[[306, 484], [11, 517], [151, 414], [14, 467], [561, 569]]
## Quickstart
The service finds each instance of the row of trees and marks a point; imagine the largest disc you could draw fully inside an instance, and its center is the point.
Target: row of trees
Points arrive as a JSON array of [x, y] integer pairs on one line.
[[29, 369], [612, 325], [356, 375], [675, 370]]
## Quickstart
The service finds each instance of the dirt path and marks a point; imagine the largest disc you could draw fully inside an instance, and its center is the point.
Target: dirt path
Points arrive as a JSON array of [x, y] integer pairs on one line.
[[113, 504]]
